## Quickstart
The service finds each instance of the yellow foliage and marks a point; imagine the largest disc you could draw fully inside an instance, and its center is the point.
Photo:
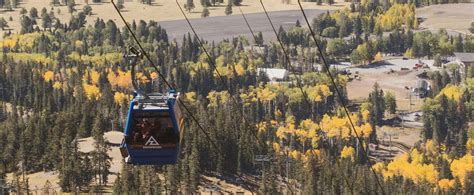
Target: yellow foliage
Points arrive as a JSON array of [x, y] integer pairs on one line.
[[262, 126], [91, 91], [416, 157], [248, 97], [452, 92], [23, 40], [276, 147], [120, 79], [348, 152], [94, 77], [35, 57], [295, 154], [281, 132], [217, 98], [120, 97], [316, 93], [278, 113], [97, 59], [396, 16], [408, 53], [154, 75], [414, 170], [379, 167], [446, 184], [48, 76], [470, 145], [142, 78], [430, 147], [461, 167], [335, 127], [78, 44], [239, 69], [265, 94], [57, 85], [378, 57]]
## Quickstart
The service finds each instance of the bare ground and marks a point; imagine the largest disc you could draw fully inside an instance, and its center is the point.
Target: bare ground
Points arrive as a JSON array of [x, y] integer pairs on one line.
[[394, 82], [160, 10], [456, 17]]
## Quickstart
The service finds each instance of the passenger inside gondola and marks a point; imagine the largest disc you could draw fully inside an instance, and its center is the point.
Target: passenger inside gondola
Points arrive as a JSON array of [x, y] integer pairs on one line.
[[152, 131]]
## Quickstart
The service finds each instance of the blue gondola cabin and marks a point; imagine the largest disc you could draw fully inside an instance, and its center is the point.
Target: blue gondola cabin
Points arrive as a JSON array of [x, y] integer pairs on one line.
[[152, 131]]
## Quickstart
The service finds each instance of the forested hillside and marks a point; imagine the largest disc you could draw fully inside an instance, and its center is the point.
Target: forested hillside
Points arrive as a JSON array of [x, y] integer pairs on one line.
[[67, 81]]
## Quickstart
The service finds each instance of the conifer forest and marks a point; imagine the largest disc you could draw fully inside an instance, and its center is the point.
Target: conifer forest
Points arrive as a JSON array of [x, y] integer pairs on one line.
[[63, 81]]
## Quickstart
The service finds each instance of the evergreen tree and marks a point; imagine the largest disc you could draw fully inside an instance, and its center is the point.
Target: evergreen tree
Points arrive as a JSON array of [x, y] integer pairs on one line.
[[189, 5], [3, 23], [390, 103], [205, 12], [33, 13], [228, 9], [377, 105], [120, 4]]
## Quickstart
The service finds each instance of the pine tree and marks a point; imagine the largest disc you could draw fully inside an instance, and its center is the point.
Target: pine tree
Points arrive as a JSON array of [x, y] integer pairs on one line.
[[3, 23], [33, 13], [100, 158], [377, 105], [390, 103], [228, 9], [120, 4], [205, 12], [189, 5]]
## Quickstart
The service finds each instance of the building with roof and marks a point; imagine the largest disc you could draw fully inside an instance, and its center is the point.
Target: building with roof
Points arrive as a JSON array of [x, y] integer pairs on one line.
[[465, 60], [275, 74]]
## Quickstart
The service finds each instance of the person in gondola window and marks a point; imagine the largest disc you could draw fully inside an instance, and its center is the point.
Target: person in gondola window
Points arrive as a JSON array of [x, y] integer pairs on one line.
[[146, 129]]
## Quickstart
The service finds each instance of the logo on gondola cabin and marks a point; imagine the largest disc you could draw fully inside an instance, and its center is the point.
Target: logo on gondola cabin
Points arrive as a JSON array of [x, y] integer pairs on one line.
[[152, 143]]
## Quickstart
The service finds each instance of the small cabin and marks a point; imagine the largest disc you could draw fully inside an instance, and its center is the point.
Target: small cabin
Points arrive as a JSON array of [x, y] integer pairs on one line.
[[275, 74], [465, 60], [421, 89]]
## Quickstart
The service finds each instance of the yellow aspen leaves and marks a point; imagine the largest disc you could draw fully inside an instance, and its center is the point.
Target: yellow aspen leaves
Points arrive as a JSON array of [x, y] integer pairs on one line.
[[248, 96], [120, 79], [261, 127], [335, 127], [48, 76], [191, 97], [348, 152], [276, 147], [217, 98], [396, 16], [408, 53], [378, 57], [91, 91], [379, 167], [265, 94], [452, 92], [461, 167], [142, 78], [470, 145], [295, 154], [280, 133], [120, 97], [446, 184], [154, 75], [239, 69], [57, 85], [78, 44], [93, 75], [414, 169]]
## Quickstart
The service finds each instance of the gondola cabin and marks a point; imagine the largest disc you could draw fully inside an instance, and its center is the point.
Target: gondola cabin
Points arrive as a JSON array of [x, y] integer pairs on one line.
[[152, 131]]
